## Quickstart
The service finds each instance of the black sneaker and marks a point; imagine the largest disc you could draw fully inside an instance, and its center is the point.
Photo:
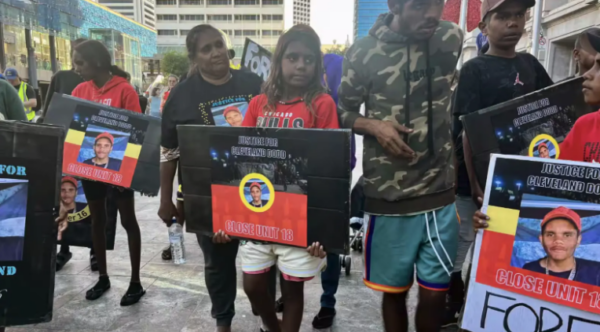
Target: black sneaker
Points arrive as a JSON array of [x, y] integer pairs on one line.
[[62, 258], [324, 319], [451, 314], [166, 254]]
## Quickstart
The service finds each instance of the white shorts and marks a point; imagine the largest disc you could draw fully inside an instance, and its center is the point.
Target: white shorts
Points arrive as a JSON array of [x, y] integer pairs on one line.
[[296, 264]]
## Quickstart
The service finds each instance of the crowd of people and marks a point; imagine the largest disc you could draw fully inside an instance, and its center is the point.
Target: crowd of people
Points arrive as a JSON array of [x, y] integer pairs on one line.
[[416, 188]]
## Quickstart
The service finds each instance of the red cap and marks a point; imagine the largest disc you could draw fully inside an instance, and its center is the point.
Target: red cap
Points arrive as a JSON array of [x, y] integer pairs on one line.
[[562, 212], [255, 184], [231, 109], [69, 179], [106, 135], [542, 145]]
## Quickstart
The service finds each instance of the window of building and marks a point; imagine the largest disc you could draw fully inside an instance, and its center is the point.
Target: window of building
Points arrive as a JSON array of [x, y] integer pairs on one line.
[[246, 17], [271, 32], [148, 11], [191, 17], [219, 2], [269, 17], [272, 2], [165, 17], [184, 32], [115, 1], [169, 32], [166, 2], [191, 2], [245, 33], [246, 2], [219, 17]]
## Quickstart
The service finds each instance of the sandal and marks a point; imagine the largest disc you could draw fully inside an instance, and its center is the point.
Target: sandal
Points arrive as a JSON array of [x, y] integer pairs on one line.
[[98, 290], [132, 298]]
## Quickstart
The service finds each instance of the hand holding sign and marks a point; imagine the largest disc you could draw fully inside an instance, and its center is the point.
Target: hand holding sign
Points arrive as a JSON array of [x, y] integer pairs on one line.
[[62, 220]]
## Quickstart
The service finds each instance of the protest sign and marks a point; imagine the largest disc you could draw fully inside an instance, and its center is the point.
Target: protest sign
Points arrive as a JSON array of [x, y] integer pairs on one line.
[[529, 125], [257, 59], [79, 232], [537, 266], [285, 186], [109, 145], [30, 162]]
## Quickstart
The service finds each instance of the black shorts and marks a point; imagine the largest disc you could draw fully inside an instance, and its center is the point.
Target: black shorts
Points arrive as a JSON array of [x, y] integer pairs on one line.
[[97, 190]]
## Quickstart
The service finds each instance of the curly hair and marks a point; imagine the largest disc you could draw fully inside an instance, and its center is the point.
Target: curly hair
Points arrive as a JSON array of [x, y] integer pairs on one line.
[[273, 87]]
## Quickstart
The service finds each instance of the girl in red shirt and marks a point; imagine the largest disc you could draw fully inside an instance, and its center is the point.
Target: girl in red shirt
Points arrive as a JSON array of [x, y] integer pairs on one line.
[[107, 84], [293, 97]]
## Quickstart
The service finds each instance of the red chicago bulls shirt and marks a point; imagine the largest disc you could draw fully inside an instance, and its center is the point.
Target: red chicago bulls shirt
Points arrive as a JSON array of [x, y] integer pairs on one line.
[[583, 141], [292, 114]]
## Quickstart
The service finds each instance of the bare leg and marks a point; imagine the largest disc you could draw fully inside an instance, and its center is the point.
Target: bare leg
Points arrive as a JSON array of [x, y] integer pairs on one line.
[[293, 297], [395, 316], [256, 287], [430, 309], [98, 211], [126, 208]]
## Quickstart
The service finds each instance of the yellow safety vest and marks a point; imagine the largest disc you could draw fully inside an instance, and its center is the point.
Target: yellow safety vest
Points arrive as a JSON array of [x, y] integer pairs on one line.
[[23, 95]]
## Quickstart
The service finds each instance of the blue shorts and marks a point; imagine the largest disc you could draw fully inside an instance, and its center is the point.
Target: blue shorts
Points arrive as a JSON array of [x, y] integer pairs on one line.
[[393, 245]]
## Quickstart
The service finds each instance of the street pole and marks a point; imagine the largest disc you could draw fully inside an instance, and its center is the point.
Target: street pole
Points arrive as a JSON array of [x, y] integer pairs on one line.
[[535, 30], [462, 22]]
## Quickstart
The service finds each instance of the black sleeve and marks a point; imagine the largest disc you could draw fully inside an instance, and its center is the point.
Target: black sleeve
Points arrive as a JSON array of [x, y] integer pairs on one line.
[[466, 97], [30, 92], [169, 120], [543, 80]]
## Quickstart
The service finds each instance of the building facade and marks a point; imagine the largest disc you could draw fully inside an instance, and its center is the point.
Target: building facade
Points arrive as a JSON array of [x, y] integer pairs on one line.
[[37, 37], [260, 20], [365, 15], [296, 12], [142, 11]]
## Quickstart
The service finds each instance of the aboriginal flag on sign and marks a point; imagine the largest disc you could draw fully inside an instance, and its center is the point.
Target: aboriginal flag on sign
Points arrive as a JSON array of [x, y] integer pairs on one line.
[[103, 145]]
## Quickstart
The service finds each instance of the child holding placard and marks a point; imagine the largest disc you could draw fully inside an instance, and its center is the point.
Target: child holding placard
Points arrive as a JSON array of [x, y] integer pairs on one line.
[[294, 97]]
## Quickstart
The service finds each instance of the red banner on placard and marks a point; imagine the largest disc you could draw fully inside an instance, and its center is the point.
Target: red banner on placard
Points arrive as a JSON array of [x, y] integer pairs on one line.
[[121, 177], [284, 220], [496, 271]]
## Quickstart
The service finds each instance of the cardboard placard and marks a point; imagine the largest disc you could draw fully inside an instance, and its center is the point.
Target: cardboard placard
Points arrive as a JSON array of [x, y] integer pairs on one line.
[[30, 174], [284, 186], [109, 145], [522, 125], [537, 266], [79, 232], [257, 59]]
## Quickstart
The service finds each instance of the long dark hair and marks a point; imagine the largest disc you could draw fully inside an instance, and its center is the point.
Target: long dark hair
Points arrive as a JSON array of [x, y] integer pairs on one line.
[[273, 87], [97, 55]]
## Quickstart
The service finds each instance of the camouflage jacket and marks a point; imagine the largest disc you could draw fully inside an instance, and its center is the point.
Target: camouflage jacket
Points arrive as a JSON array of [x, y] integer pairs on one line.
[[406, 82]]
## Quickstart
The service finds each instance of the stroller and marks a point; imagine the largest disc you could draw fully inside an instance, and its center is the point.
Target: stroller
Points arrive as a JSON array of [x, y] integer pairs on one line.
[[357, 224]]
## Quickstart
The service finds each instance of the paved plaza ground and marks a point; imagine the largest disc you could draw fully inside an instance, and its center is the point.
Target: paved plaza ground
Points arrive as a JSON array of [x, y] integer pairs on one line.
[[177, 299]]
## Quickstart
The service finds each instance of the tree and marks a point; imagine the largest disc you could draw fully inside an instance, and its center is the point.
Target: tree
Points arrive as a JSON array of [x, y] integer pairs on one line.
[[336, 49], [175, 63]]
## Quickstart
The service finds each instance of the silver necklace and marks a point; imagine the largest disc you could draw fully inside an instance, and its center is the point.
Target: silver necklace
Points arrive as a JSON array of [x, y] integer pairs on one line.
[[573, 271], [105, 165]]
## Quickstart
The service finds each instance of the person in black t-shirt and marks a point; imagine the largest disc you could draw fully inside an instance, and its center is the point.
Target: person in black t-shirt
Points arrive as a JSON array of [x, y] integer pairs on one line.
[[498, 75], [201, 99]]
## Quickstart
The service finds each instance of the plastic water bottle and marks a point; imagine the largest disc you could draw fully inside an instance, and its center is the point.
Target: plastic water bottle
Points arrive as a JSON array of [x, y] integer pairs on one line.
[[176, 240]]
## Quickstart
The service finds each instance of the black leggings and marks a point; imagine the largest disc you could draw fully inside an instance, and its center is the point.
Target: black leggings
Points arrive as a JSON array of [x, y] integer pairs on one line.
[[96, 193]]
